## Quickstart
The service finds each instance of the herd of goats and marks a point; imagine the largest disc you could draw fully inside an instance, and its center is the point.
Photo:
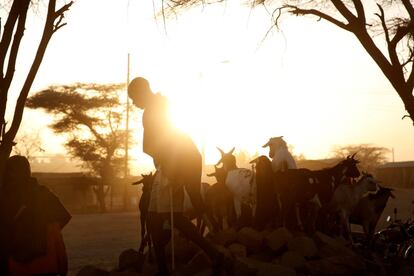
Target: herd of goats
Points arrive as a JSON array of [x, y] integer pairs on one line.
[[326, 200]]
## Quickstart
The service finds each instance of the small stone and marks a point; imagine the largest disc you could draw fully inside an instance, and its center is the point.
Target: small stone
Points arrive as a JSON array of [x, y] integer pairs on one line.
[[225, 237], [250, 238], [130, 259], [331, 247], [198, 263], [278, 239], [237, 250], [304, 246], [90, 270], [292, 259], [337, 265]]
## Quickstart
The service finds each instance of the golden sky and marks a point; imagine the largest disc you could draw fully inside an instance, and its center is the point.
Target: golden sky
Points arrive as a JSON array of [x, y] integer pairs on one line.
[[311, 82]]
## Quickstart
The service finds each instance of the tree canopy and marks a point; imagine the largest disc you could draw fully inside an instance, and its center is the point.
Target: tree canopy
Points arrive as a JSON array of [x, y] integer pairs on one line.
[[370, 156], [91, 116]]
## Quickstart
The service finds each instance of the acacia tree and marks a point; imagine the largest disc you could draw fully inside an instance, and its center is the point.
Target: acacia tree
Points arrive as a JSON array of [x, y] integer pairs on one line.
[[370, 156], [10, 43], [393, 19], [91, 117]]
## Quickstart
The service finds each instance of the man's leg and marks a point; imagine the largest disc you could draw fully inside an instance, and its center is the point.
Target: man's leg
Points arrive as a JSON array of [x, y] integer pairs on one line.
[[155, 228], [189, 230]]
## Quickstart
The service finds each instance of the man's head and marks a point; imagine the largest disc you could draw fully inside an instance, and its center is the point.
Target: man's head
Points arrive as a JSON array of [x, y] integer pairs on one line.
[[140, 92], [17, 172]]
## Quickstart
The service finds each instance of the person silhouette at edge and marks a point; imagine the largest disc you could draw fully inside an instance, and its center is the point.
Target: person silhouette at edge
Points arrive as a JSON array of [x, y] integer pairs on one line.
[[178, 161], [32, 218]]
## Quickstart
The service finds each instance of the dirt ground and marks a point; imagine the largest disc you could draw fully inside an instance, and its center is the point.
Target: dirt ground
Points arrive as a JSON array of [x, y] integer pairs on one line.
[[98, 239]]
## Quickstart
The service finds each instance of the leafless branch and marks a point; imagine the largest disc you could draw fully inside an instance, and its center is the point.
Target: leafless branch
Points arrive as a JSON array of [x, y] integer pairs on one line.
[[360, 11], [299, 11], [340, 6], [47, 34], [15, 48], [409, 7], [381, 16]]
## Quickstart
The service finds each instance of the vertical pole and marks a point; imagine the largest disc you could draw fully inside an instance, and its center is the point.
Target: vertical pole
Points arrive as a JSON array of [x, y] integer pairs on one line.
[[172, 231], [393, 156], [126, 172], [127, 120]]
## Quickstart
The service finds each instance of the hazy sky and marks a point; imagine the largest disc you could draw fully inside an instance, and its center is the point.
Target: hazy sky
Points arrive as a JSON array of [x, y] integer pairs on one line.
[[311, 82]]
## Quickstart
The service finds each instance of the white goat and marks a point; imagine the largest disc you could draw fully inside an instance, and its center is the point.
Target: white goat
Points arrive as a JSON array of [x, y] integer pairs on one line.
[[347, 196], [240, 182]]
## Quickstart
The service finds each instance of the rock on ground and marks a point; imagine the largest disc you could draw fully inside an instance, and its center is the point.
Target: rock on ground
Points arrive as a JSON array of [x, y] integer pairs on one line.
[[90, 270], [278, 239], [304, 246], [331, 247], [292, 259], [237, 250], [336, 265], [252, 239]]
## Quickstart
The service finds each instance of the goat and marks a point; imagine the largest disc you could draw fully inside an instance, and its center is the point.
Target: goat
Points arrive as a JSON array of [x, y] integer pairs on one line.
[[241, 184], [189, 210], [325, 182], [144, 201], [219, 199], [346, 198], [267, 206], [369, 209], [297, 188]]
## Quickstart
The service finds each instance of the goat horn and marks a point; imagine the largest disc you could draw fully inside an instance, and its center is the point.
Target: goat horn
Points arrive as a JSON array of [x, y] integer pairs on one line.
[[221, 151], [353, 155], [254, 160], [231, 152], [138, 182]]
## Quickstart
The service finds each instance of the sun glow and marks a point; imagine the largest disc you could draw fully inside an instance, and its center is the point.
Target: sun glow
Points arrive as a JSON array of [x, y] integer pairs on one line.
[[227, 86]]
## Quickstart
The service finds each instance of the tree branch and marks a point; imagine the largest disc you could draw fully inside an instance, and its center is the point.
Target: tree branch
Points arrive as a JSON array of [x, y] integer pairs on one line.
[[401, 32], [299, 11], [409, 7], [340, 6], [8, 32], [410, 80], [359, 7], [14, 50], [383, 24], [47, 34], [390, 46]]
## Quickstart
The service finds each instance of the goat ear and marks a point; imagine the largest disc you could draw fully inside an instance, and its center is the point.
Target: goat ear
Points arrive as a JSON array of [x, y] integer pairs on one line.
[[138, 182], [391, 194], [232, 150], [254, 161], [221, 151]]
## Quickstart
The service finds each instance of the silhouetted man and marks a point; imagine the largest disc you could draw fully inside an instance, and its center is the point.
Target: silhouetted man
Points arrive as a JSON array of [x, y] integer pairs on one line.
[[178, 163], [31, 217]]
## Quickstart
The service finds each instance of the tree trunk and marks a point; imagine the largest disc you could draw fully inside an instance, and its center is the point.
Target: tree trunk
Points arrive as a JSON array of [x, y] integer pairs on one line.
[[100, 195]]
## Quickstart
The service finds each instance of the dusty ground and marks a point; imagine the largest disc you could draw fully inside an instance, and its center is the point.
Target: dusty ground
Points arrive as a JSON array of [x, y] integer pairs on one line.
[[98, 239]]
